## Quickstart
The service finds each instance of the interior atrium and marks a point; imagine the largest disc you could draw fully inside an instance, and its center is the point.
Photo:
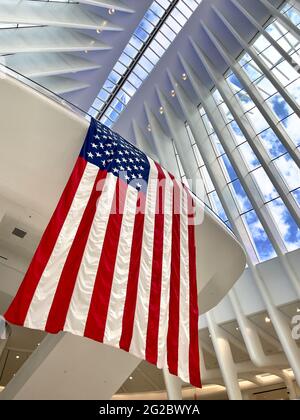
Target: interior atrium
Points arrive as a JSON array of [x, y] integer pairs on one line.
[[210, 89]]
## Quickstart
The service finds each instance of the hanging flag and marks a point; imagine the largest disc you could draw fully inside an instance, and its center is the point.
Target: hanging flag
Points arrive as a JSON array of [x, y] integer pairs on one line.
[[117, 262]]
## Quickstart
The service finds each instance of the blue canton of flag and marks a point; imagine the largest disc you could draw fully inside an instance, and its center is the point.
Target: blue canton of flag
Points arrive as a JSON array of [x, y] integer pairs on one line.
[[112, 153]]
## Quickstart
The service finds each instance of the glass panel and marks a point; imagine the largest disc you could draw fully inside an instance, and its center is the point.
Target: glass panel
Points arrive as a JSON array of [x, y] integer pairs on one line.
[[296, 195], [249, 156], [265, 87], [227, 168], [217, 145], [257, 120], [237, 133], [294, 90], [289, 171], [245, 100], [240, 196], [292, 126], [271, 143], [216, 205], [285, 223], [208, 125], [225, 113], [264, 185], [262, 245], [206, 179], [279, 107]]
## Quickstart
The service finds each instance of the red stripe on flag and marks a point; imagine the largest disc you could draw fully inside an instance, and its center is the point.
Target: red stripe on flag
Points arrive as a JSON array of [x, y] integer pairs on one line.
[[60, 305], [157, 262], [173, 329], [18, 309], [194, 357], [96, 320], [133, 274]]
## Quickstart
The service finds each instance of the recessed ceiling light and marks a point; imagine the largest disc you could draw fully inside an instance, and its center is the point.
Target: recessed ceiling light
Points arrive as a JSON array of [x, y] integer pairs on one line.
[[173, 93], [38, 344], [130, 377], [267, 320], [17, 356], [161, 110], [111, 11], [184, 76], [298, 310], [237, 328]]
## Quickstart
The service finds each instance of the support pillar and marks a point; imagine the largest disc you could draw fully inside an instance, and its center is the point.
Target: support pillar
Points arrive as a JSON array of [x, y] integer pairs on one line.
[[225, 359], [173, 385]]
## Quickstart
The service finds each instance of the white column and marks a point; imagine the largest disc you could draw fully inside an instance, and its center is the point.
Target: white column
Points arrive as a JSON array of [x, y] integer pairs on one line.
[[290, 385], [251, 338], [225, 359], [173, 385]]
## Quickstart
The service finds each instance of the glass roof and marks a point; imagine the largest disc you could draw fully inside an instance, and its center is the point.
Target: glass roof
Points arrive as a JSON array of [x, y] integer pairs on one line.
[[159, 27]]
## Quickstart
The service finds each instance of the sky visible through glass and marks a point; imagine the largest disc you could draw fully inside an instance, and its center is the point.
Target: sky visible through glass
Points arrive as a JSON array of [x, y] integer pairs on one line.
[[284, 116], [142, 66]]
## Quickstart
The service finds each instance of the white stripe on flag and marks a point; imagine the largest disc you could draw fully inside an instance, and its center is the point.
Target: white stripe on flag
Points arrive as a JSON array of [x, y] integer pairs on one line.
[[84, 286], [42, 299], [138, 342], [184, 301], [113, 328], [166, 272]]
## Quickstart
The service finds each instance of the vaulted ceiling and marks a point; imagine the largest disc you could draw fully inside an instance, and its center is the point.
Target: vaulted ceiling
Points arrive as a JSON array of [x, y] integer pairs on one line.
[[69, 47]]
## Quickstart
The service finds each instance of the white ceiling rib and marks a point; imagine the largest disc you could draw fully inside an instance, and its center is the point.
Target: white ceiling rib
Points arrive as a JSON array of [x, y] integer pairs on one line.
[[67, 15], [46, 39], [47, 64], [61, 85]]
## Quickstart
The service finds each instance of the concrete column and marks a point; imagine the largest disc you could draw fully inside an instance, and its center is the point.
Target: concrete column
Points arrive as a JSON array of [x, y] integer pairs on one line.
[[252, 340], [173, 385], [280, 325], [225, 359], [290, 385]]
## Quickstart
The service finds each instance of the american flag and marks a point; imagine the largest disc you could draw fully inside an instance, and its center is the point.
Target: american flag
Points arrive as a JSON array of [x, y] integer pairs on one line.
[[117, 262]]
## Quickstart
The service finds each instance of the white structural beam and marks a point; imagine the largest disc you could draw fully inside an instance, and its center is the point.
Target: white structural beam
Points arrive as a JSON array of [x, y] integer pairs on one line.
[[207, 152], [225, 359], [237, 162], [259, 62], [67, 15], [270, 39], [109, 4], [249, 133], [173, 386], [47, 64], [162, 142], [141, 141], [282, 19], [47, 39], [61, 85], [251, 338], [180, 137]]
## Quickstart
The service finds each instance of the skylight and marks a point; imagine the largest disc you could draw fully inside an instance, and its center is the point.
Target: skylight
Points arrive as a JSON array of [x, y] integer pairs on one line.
[[157, 30]]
